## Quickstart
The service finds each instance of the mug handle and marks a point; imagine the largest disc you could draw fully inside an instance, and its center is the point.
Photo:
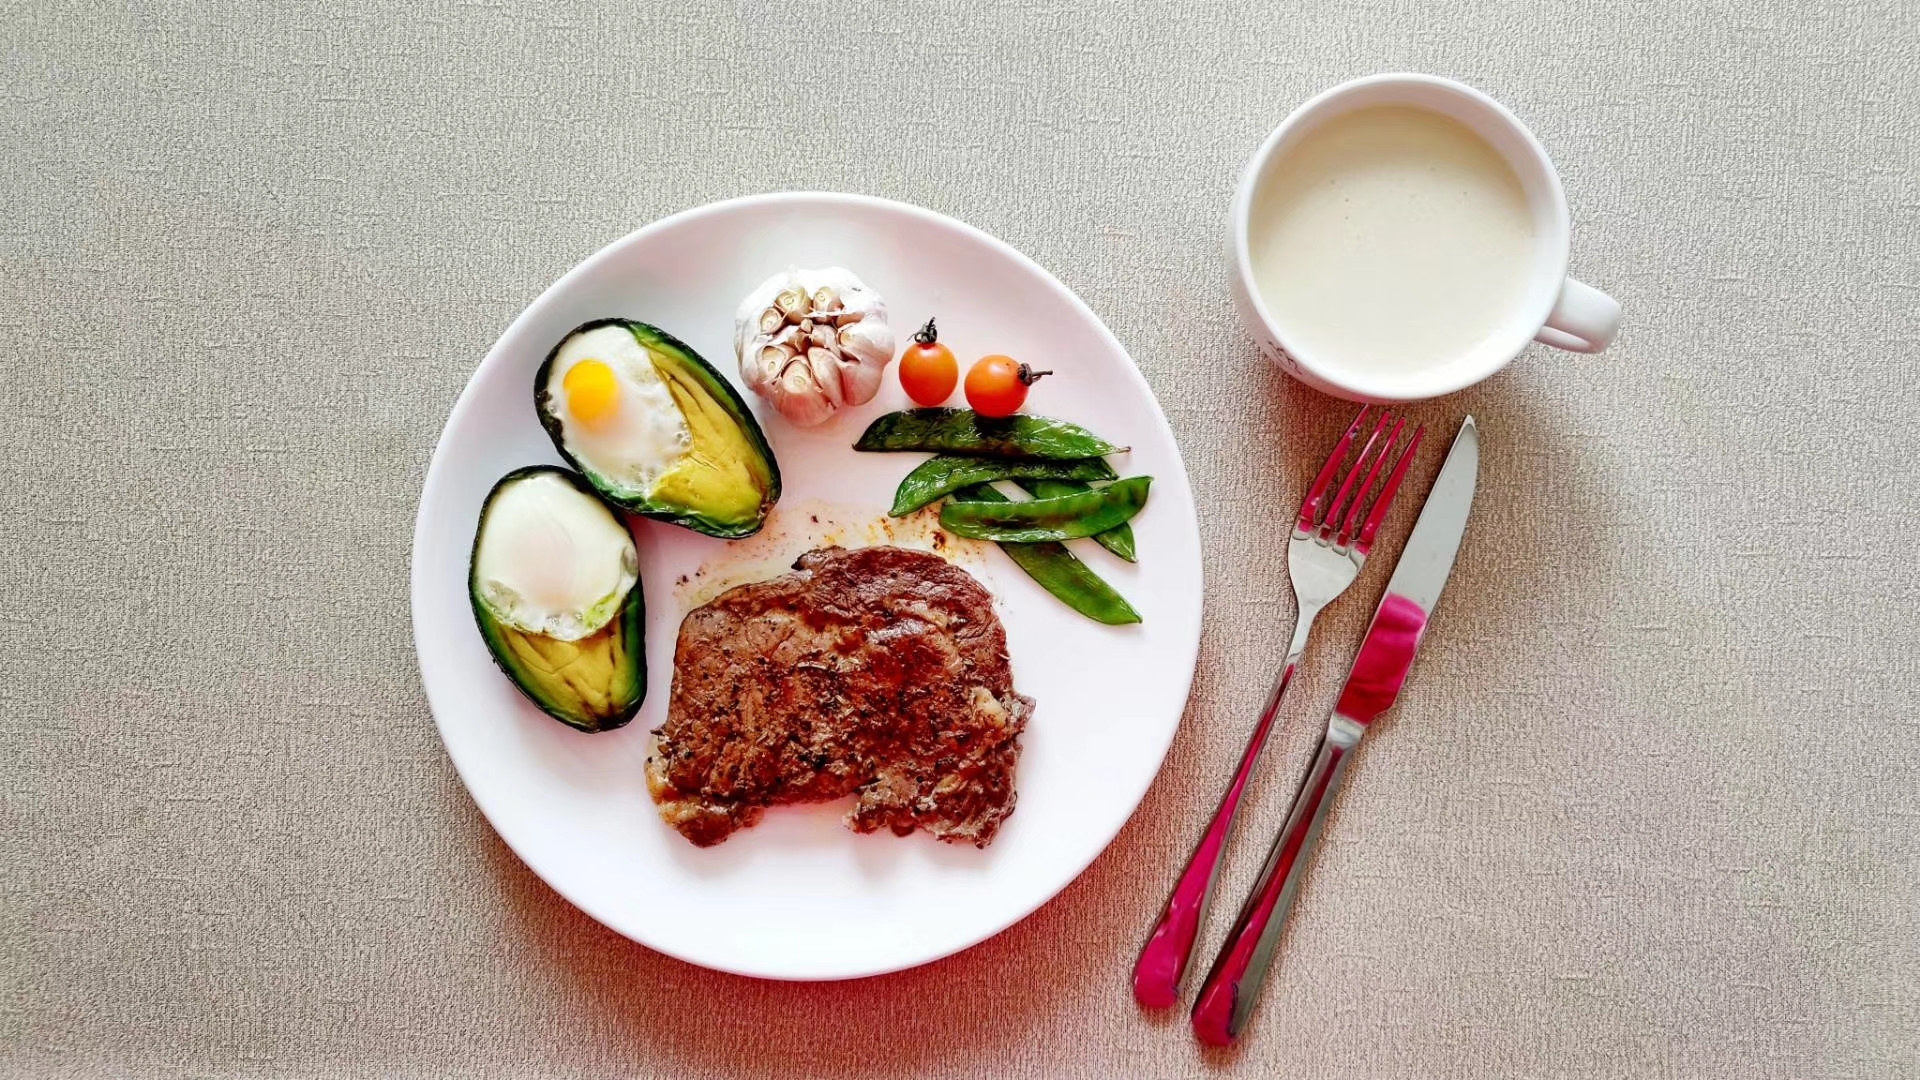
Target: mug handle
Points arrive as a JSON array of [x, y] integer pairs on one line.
[[1584, 319]]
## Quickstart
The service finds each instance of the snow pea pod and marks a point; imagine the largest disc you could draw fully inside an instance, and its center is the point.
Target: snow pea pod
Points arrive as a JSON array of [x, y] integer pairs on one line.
[[1040, 520], [1060, 573], [963, 431], [948, 473], [1118, 539]]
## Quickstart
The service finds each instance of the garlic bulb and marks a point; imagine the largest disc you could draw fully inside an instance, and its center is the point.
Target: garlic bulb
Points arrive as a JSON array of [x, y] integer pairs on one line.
[[811, 341]]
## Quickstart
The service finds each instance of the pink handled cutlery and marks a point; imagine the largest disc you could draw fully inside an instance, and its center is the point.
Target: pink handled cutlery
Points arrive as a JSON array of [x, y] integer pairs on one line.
[[1386, 654], [1330, 542]]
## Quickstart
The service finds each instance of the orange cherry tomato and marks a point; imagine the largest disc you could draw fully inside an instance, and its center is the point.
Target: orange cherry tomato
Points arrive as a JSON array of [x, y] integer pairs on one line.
[[928, 371], [997, 385]]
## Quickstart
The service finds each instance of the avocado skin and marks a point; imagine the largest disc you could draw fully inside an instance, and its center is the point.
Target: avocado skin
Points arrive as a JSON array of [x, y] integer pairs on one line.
[[631, 618], [716, 384]]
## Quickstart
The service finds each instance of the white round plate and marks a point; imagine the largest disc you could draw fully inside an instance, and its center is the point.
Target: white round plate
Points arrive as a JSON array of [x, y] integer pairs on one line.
[[799, 896]]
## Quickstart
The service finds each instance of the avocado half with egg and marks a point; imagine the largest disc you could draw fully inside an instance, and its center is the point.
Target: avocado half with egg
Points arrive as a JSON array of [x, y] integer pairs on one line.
[[555, 585], [655, 429]]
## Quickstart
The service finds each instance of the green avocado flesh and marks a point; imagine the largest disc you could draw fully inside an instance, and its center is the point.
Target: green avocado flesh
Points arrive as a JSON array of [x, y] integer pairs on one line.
[[729, 480], [594, 684]]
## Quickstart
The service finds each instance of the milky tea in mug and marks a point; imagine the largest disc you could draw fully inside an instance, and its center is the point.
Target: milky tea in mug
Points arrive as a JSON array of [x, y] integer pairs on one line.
[[1394, 238], [1396, 252]]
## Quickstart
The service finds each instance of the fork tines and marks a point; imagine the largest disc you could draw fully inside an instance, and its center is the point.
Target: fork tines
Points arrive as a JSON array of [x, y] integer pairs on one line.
[[1334, 520]]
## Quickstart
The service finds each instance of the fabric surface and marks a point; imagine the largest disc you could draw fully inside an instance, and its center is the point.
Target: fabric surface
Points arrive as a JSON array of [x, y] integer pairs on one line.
[[1648, 807]]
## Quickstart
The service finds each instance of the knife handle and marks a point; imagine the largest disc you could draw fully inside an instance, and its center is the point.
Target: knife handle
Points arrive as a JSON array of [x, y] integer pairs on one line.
[[1233, 986], [1163, 960]]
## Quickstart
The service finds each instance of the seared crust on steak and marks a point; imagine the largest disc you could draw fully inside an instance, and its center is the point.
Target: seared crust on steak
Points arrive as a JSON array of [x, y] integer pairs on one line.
[[878, 672]]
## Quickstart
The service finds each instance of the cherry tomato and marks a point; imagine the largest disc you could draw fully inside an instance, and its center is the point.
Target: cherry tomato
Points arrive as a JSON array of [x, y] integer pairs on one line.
[[928, 371], [997, 385]]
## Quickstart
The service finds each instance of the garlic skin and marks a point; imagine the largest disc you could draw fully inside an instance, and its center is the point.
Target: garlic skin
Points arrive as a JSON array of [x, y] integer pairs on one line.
[[811, 341]]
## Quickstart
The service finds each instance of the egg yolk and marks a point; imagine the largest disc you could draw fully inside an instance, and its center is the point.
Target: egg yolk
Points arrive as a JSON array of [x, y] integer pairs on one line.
[[592, 392]]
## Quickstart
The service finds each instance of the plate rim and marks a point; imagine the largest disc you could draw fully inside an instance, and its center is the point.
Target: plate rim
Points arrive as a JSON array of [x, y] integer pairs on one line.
[[435, 478]]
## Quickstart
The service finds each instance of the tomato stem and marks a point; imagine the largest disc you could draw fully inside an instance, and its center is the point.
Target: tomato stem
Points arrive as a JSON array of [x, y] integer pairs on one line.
[[1028, 376], [926, 335]]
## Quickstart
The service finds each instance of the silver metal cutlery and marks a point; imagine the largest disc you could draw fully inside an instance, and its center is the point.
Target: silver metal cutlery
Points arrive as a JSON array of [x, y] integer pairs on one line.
[[1227, 998], [1331, 539]]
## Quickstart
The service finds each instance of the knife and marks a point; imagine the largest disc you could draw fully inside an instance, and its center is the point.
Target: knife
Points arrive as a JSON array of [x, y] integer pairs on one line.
[[1232, 987]]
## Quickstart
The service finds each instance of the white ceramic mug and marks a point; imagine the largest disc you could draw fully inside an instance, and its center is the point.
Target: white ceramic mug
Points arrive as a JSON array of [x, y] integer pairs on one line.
[[1554, 309]]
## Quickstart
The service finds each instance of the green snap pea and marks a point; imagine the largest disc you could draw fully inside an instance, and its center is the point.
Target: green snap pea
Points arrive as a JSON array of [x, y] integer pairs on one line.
[[1040, 520], [948, 473], [963, 431], [1060, 573], [1118, 539]]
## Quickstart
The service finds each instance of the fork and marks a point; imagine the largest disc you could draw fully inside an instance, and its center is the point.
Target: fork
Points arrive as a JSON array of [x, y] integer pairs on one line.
[[1330, 542]]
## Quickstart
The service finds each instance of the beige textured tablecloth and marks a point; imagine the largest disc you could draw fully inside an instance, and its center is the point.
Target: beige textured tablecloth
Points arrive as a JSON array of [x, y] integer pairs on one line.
[[1650, 806]]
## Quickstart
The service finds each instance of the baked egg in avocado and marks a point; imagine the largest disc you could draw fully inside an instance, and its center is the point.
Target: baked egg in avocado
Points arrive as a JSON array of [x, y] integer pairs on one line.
[[555, 586], [655, 429]]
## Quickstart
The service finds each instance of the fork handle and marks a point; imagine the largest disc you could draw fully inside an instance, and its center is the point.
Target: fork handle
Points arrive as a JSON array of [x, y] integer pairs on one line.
[[1163, 960], [1233, 986]]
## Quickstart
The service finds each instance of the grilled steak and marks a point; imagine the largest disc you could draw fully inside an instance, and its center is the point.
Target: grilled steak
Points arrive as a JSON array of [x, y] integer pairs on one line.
[[879, 672]]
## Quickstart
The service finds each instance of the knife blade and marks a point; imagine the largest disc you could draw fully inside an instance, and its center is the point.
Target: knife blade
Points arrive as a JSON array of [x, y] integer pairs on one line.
[[1379, 670], [1386, 653]]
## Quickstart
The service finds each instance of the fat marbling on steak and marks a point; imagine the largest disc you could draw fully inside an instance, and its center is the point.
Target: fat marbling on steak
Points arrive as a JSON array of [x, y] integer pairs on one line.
[[876, 672]]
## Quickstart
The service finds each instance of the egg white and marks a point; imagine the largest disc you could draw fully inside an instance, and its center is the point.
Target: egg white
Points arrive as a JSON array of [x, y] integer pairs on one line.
[[552, 559], [645, 437]]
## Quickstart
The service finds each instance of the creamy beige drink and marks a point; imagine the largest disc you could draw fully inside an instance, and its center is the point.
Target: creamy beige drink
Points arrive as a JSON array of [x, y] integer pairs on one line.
[[1390, 239]]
